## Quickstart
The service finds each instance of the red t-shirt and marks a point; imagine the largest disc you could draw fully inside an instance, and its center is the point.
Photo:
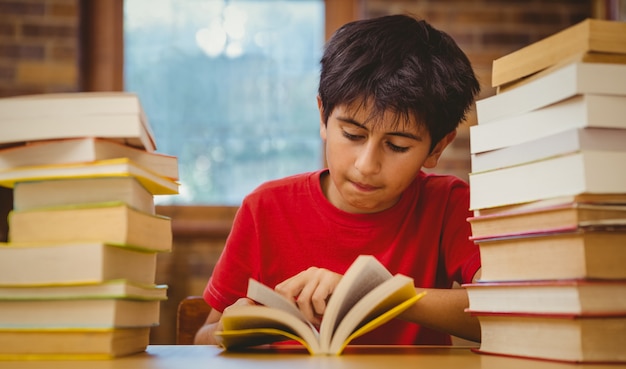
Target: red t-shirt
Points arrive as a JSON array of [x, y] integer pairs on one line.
[[287, 225]]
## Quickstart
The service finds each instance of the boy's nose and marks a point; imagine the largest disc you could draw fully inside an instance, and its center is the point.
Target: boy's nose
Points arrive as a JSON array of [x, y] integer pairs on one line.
[[368, 160]]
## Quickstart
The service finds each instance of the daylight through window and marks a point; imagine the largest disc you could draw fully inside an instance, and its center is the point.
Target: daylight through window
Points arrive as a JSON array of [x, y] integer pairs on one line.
[[229, 88]]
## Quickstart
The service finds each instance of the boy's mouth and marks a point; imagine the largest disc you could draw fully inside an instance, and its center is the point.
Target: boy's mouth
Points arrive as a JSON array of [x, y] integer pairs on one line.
[[364, 187]]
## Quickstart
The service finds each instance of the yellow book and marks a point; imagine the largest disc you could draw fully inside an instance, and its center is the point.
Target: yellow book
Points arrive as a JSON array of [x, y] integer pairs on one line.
[[366, 297], [72, 344], [114, 223], [121, 167], [590, 35], [82, 191], [78, 313]]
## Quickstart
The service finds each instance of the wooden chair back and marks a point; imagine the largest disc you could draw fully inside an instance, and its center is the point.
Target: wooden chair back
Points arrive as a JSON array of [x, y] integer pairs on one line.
[[190, 316]]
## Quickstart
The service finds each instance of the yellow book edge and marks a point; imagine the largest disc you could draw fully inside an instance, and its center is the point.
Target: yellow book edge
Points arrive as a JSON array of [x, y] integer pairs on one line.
[[381, 319], [59, 356], [151, 184], [34, 244], [91, 206], [279, 334], [127, 296], [56, 357], [264, 333]]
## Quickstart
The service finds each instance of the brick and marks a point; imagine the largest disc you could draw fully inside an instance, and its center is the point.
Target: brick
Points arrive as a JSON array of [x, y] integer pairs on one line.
[[22, 8], [48, 31], [33, 73], [68, 9], [8, 30], [580, 16], [505, 38], [63, 52], [17, 90], [60, 88], [539, 17], [17, 51], [7, 74], [479, 16]]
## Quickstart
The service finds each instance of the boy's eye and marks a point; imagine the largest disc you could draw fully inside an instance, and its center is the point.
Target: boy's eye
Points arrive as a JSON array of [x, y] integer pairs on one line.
[[350, 136], [397, 148]]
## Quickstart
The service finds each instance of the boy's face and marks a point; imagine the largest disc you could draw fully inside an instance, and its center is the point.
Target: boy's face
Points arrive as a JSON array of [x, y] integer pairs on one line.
[[369, 166]]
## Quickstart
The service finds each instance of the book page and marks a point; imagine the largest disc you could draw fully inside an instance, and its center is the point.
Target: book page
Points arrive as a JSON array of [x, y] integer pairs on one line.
[[264, 295], [256, 324], [362, 277], [379, 306]]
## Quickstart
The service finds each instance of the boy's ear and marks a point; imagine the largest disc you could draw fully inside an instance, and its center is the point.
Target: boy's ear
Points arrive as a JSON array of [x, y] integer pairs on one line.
[[322, 123], [433, 157]]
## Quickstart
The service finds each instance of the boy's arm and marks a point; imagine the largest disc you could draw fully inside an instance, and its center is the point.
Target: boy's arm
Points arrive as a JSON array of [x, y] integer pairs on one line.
[[444, 310], [205, 336], [213, 323]]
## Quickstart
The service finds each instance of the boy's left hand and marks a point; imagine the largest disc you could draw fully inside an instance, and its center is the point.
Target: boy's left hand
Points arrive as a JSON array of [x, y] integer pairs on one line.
[[310, 290]]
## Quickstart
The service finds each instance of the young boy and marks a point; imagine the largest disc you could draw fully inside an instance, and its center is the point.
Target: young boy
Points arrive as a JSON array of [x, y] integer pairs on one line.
[[392, 92]]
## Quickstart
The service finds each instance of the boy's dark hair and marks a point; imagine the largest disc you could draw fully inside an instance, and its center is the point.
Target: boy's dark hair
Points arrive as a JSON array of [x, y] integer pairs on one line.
[[399, 64]]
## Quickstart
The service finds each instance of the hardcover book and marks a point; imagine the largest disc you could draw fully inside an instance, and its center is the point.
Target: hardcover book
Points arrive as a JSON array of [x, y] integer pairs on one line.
[[576, 253], [557, 337], [113, 223], [114, 115], [48, 263], [590, 35], [84, 150]]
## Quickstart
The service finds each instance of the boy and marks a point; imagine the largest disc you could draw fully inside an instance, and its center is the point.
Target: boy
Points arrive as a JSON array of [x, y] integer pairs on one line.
[[392, 92]]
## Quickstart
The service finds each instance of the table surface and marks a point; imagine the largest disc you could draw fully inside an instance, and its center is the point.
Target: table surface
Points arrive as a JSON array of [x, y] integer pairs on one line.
[[397, 357]]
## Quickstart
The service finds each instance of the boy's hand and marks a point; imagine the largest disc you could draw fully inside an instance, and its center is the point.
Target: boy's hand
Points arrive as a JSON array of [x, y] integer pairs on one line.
[[311, 290], [241, 301]]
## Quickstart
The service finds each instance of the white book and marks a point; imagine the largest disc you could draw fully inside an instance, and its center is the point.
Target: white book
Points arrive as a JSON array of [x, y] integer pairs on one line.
[[122, 167], [585, 110], [48, 263], [560, 296], [565, 142], [78, 313], [115, 115], [83, 150], [585, 172], [115, 303], [114, 288], [82, 191], [563, 83]]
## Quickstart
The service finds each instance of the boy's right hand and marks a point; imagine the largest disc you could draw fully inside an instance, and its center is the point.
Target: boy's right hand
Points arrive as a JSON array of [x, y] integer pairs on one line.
[[310, 290]]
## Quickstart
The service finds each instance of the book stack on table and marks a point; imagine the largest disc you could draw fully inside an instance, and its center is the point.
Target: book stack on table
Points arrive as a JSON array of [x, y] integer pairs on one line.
[[77, 275], [548, 191]]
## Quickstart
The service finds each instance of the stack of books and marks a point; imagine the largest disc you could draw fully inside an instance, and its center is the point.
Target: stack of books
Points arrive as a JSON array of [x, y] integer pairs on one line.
[[77, 275], [548, 191]]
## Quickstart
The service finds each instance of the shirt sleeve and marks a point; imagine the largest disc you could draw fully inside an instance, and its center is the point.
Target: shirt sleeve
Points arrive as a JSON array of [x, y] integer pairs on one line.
[[461, 254], [237, 263]]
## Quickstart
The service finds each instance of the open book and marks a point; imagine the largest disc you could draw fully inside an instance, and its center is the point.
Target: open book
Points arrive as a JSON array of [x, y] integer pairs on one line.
[[367, 296]]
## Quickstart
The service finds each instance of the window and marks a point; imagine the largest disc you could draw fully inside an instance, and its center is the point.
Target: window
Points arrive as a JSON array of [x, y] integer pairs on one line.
[[229, 88]]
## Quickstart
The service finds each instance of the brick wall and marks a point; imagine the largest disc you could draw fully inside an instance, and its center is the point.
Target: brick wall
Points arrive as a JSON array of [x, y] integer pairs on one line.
[[39, 46]]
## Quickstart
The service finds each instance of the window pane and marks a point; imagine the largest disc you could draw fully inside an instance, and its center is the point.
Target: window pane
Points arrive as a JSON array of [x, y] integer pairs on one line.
[[229, 88]]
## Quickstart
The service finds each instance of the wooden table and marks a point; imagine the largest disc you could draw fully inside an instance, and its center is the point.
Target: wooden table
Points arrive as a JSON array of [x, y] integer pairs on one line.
[[396, 357]]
